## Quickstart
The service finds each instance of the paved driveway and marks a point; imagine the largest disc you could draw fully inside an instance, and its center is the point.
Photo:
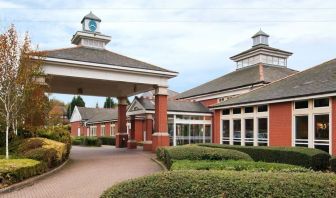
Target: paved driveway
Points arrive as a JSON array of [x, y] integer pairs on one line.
[[89, 172]]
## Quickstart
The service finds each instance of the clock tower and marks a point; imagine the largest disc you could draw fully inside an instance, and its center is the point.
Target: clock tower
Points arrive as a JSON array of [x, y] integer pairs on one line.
[[90, 36]]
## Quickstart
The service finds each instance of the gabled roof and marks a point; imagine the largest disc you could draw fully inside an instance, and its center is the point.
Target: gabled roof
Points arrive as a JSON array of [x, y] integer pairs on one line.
[[92, 115], [317, 80], [100, 56], [150, 94], [91, 16], [239, 78], [175, 106]]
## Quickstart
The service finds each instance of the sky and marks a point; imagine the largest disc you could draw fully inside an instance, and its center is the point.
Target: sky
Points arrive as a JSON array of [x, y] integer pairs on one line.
[[193, 37]]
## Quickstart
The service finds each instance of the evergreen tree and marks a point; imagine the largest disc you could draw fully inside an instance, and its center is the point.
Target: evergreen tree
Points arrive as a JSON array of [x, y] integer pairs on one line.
[[109, 103], [128, 102]]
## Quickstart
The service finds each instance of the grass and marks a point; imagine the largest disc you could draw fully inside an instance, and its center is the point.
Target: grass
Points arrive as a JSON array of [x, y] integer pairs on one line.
[[235, 165]]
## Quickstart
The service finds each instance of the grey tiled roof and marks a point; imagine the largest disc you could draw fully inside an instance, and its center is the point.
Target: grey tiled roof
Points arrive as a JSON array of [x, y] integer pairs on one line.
[[317, 80], [176, 106], [260, 32], [98, 114], [101, 56], [150, 94], [261, 46], [91, 16], [239, 78]]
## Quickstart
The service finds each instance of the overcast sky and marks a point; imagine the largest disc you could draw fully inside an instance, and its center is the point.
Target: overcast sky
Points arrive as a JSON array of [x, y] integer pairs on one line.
[[193, 37]]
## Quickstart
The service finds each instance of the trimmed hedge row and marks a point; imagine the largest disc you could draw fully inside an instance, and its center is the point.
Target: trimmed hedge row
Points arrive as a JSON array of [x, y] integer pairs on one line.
[[86, 141], [15, 170], [333, 163], [306, 157], [106, 140], [193, 152], [226, 184], [235, 165]]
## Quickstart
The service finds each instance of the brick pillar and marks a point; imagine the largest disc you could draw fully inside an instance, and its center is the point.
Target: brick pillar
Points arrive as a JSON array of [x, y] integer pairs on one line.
[[216, 122], [121, 136], [333, 127], [280, 124], [131, 143], [147, 144], [160, 136]]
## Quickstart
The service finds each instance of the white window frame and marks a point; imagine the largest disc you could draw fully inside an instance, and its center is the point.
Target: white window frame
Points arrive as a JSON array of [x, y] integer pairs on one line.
[[112, 130], [93, 131], [311, 111], [102, 130]]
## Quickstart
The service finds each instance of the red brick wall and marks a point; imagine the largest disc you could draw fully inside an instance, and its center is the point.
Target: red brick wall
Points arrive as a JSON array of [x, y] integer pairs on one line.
[[333, 124], [280, 124], [161, 113], [138, 130], [107, 129], [216, 126], [98, 129], [74, 128], [209, 102]]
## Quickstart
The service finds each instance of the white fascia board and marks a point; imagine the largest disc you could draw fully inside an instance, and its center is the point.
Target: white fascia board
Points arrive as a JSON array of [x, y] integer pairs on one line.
[[276, 101], [110, 67], [75, 116], [169, 113]]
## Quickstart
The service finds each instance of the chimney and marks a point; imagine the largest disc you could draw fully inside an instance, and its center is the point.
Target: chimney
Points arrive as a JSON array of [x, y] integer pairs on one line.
[[261, 72]]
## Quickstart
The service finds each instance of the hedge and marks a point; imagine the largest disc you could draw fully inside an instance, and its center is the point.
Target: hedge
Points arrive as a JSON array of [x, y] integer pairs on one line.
[[86, 141], [60, 134], [106, 140], [226, 184], [15, 170], [306, 157], [333, 163], [49, 151], [235, 165], [193, 152]]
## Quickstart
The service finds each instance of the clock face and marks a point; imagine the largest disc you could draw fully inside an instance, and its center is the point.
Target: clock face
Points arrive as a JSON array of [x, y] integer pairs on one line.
[[92, 25]]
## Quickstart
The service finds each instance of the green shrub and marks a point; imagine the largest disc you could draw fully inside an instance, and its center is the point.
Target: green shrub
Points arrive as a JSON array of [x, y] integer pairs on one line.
[[60, 134], [333, 164], [193, 152], [77, 141], [306, 157], [106, 140], [227, 184], [49, 151], [91, 141], [15, 170], [235, 165]]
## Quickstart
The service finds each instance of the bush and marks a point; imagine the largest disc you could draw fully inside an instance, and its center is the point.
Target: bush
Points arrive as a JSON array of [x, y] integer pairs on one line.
[[105, 140], [226, 184], [49, 151], [15, 170], [76, 141], [60, 134], [306, 157], [333, 164], [87, 141], [235, 165], [193, 152]]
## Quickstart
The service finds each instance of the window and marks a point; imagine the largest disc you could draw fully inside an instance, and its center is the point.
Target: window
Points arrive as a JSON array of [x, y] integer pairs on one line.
[[262, 108], [249, 132], [236, 110], [301, 131], [301, 104], [112, 131], [236, 132], [226, 131], [207, 133], [324, 102], [322, 132], [226, 112], [248, 109], [262, 132], [103, 130], [93, 131]]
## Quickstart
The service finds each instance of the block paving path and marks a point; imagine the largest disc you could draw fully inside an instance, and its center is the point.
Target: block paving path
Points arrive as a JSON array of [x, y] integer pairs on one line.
[[89, 172]]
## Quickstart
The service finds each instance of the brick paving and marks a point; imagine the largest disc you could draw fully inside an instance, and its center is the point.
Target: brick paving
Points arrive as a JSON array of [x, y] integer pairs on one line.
[[89, 172]]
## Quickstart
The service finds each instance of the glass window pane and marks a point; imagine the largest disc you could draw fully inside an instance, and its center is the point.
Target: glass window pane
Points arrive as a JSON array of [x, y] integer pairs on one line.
[[226, 131], [236, 132], [208, 133], [301, 104], [301, 127], [226, 112], [262, 108], [322, 127], [262, 131], [324, 102], [248, 109], [236, 110]]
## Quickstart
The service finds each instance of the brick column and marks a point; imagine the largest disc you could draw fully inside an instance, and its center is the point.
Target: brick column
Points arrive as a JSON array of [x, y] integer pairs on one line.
[[147, 144], [131, 143], [121, 136], [160, 136], [216, 122], [280, 124]]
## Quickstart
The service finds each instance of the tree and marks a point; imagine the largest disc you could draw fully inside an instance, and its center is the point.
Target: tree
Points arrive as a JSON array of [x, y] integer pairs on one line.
[[56, 113], [18, 79], [109, 103], [76, 101]]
